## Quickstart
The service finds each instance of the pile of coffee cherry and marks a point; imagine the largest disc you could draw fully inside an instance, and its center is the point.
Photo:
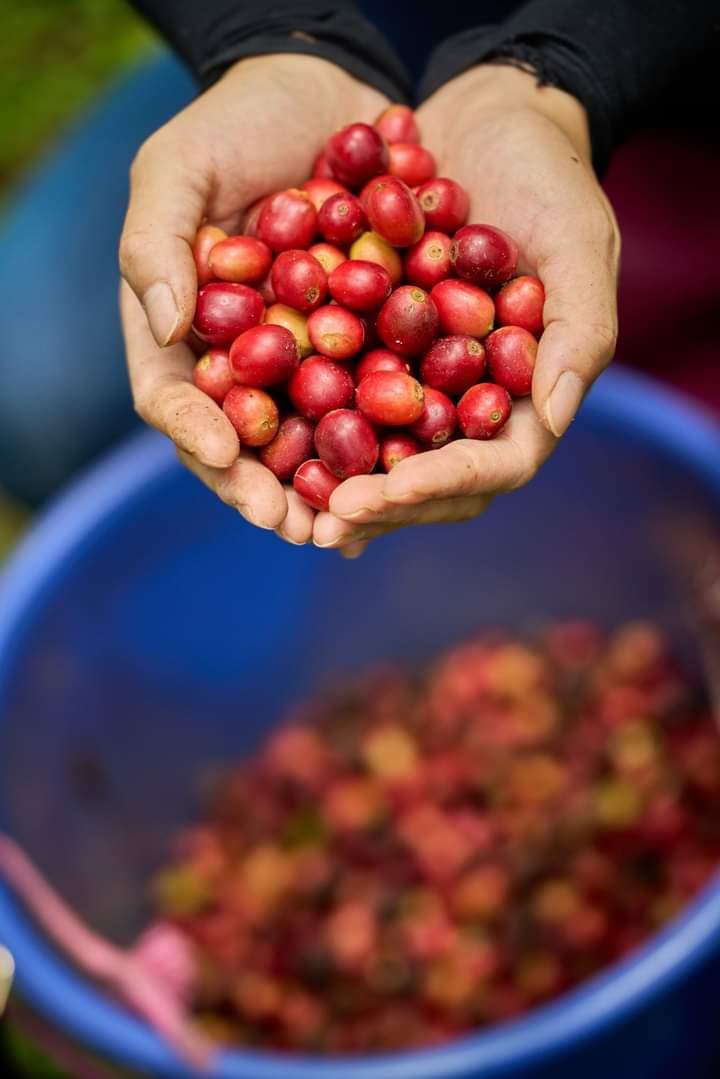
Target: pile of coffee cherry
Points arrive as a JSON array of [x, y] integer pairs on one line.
[[352, 324], [424, 852]]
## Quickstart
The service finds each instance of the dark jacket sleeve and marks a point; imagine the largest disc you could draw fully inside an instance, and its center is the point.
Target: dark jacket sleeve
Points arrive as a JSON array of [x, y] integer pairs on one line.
[[615, 56], [210, 35]]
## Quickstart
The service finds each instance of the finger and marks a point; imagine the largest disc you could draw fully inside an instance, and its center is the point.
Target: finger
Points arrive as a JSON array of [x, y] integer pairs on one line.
[[7, 974], [246, 486], [168, 197], [353, 551], [468, 468], [359, 499], [331, 532], [580, 279], [165, 397], [297, 528]]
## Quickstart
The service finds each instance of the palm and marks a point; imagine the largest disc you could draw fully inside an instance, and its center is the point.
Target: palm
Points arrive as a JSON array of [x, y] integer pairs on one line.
[[268, 137], [522, 172]]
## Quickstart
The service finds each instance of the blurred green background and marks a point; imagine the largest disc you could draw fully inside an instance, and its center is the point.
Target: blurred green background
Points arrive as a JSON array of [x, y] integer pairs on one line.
[[55, 56]]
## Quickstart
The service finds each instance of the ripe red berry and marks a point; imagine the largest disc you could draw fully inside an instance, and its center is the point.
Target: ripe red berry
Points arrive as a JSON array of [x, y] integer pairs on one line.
[[395, 448], [511, 353], [365, 192], [213, 375], [445, 204], [397, 124], [408, 321], [372, 248], [438, 421], [314, 482], [281, 315], [341, 219], [320, 190], [266, 291], [394, 212], [335, 332], [356, 154], [253, 414], [328, 256], [298, 280], [321, 168], [484, 255], [380, 359], [264, 356], [360, 285], [252, 217], [207, 237], [453, 364], [287, 220], [293, 444], [390, 398], [463, 308], [372, 338], [520, 303], [347, 443], [428, 261], [413, 164], [319, 386], [225, 310], [240, 258], [484, 410]]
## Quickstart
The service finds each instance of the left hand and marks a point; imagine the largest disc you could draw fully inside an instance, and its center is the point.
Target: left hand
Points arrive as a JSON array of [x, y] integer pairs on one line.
[[213, 161], [523, 153]]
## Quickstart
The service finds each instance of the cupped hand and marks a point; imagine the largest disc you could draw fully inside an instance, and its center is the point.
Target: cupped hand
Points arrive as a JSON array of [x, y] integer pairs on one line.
[[255, 132], [523, 154]]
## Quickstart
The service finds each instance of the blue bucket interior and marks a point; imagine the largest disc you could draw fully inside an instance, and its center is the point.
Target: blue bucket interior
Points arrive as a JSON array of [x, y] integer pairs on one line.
[[148, 635]]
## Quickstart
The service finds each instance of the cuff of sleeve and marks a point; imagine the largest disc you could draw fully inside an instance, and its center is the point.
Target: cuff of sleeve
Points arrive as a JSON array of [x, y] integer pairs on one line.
[[212, 36], [390, 80], [553, 58]]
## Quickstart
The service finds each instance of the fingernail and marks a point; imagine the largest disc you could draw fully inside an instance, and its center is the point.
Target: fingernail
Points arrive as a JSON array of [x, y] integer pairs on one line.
[[398, 497], [392, 492], [356, 513], [286, 539], [251, 519], [563, 403], [353, 551], [161, 311]]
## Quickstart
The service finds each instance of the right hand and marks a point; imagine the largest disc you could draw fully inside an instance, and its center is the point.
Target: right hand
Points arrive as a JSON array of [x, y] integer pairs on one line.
[[538, 185], [255, 132]]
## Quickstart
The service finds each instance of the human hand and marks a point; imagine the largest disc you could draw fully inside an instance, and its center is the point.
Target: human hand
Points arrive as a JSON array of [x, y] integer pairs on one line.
[[523, 154], [255, 132], [7, 974]]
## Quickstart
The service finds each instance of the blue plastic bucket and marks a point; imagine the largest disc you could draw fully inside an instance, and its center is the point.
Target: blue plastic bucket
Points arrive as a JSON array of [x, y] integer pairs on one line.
[[146, 632]]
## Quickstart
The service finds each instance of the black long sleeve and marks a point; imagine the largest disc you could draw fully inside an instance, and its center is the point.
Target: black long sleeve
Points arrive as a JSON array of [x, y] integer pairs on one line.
[[210, 35], [620, 58], [617, 57]]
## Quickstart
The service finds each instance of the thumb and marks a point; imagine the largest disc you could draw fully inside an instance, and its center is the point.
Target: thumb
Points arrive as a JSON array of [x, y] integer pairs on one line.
[[580, 330], [167, 206]]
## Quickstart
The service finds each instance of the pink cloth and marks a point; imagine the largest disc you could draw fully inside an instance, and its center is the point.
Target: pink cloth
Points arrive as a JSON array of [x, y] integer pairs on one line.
[[665, 188]]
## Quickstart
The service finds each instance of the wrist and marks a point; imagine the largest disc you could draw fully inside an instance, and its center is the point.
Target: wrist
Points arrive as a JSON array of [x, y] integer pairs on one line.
[[507, 88], [333, 94]]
